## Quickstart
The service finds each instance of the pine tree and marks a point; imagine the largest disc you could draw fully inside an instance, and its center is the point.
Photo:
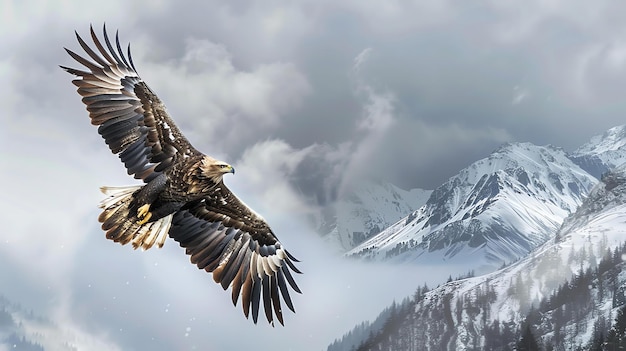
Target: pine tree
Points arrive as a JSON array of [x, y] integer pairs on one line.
[[597, 339], [616, 339], [527, 342]]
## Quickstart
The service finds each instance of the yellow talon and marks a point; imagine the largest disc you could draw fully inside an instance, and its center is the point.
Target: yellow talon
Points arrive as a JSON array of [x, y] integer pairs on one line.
[[144, 214], [146, 218]]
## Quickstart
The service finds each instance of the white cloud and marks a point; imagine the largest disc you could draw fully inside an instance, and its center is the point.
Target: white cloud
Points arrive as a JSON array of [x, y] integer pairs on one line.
[[376, 119], [264, 172], [361, 59], [223, 103]]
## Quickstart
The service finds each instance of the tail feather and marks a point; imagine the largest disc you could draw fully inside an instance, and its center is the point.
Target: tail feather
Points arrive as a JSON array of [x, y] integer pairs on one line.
[[123, 227]]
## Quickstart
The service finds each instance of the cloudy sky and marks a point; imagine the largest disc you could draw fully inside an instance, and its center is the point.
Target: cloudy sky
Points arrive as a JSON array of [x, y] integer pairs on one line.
[[304, 98]]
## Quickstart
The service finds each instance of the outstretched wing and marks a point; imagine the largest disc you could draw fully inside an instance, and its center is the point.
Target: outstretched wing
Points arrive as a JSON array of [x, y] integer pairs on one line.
[[131, 118], [224, 236]]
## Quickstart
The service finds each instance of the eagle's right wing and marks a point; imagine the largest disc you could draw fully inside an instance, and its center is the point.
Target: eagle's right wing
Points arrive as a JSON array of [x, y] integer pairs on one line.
[[131, 118], [225, 237]]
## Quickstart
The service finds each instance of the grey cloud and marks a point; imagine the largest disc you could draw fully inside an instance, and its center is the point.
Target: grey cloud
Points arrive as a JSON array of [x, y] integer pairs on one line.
[[320, 172]]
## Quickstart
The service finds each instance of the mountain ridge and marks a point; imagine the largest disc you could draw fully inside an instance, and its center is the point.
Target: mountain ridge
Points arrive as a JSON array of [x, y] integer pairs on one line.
[[499, 208], [566, 294], [358, 227]]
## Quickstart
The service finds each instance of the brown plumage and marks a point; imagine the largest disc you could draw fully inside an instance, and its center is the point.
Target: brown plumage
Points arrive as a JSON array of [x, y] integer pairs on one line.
[[183, 194]]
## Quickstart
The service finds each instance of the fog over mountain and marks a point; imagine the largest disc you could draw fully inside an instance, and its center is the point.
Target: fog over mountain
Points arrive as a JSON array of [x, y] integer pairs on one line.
[[568, 293]]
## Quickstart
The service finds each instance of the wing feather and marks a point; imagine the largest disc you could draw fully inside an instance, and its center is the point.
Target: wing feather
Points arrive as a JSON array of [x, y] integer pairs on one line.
[[119, 49], [246, 295], [283, 289], [276, 299], [255, 297], [223, 236], [238, 280], [231, 258], [267, 298], [90, 52], [127, 111], [110, 60]]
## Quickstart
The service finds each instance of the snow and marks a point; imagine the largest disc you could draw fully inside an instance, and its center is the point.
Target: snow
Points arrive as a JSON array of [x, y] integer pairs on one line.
[[547, 267], [609, 147], [544, 206], [508, 203], [613, 139]]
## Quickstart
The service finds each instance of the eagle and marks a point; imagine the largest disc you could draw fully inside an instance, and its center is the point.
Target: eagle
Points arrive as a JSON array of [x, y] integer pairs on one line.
[[183, 194]]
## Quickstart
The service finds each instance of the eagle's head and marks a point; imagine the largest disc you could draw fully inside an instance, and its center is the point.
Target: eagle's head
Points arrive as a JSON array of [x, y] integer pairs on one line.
[[215, 169]]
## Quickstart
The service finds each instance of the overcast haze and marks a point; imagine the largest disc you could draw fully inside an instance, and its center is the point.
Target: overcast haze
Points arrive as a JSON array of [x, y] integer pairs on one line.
[[304, 98]]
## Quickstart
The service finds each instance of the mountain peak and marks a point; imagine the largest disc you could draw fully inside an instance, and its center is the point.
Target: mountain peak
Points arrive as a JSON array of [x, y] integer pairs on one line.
[[568, 293], [613, 139], [497, 209], [602, 153]]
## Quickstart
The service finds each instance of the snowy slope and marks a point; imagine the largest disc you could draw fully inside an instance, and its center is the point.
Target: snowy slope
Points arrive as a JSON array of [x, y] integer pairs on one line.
[[461, 315], [24, 330], [598, 226], [495, 211], [603, 152], [368, 208]]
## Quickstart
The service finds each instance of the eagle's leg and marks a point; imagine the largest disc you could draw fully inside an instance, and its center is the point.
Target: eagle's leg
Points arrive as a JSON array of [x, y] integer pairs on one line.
[[144, 213], [146, 196]]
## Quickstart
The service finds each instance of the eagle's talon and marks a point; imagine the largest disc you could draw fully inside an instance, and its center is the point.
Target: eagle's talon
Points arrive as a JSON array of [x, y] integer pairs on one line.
[[144, 214]]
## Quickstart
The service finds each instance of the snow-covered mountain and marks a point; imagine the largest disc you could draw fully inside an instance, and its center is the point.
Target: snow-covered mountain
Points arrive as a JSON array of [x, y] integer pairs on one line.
[[603, 152], [366, 208], [564, 295], [495, 211]]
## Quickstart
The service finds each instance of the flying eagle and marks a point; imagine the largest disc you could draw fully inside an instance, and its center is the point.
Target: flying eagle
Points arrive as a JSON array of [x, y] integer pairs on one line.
[[183, 194]]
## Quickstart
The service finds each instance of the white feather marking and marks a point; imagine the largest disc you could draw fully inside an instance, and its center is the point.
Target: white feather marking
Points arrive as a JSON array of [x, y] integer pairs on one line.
[[228, 251], [115, 70], [116, 193], [275, 262], [169, 131], [253, 264], [144, 236], [259, 265], [162, 236], [271, 264], [139, 235], [280, 253], [113, 86], [152, 233], [264, 266]]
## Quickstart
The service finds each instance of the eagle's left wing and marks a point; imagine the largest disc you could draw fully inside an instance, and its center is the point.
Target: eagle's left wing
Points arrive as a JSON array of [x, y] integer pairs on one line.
[[130, 116], [224, 236]]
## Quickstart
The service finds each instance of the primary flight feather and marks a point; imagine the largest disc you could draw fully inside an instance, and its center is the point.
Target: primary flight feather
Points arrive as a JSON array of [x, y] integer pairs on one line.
[[183, 194]]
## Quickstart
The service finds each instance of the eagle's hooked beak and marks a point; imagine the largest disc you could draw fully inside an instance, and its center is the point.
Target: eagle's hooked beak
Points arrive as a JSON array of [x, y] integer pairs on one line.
[[230, 169]]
